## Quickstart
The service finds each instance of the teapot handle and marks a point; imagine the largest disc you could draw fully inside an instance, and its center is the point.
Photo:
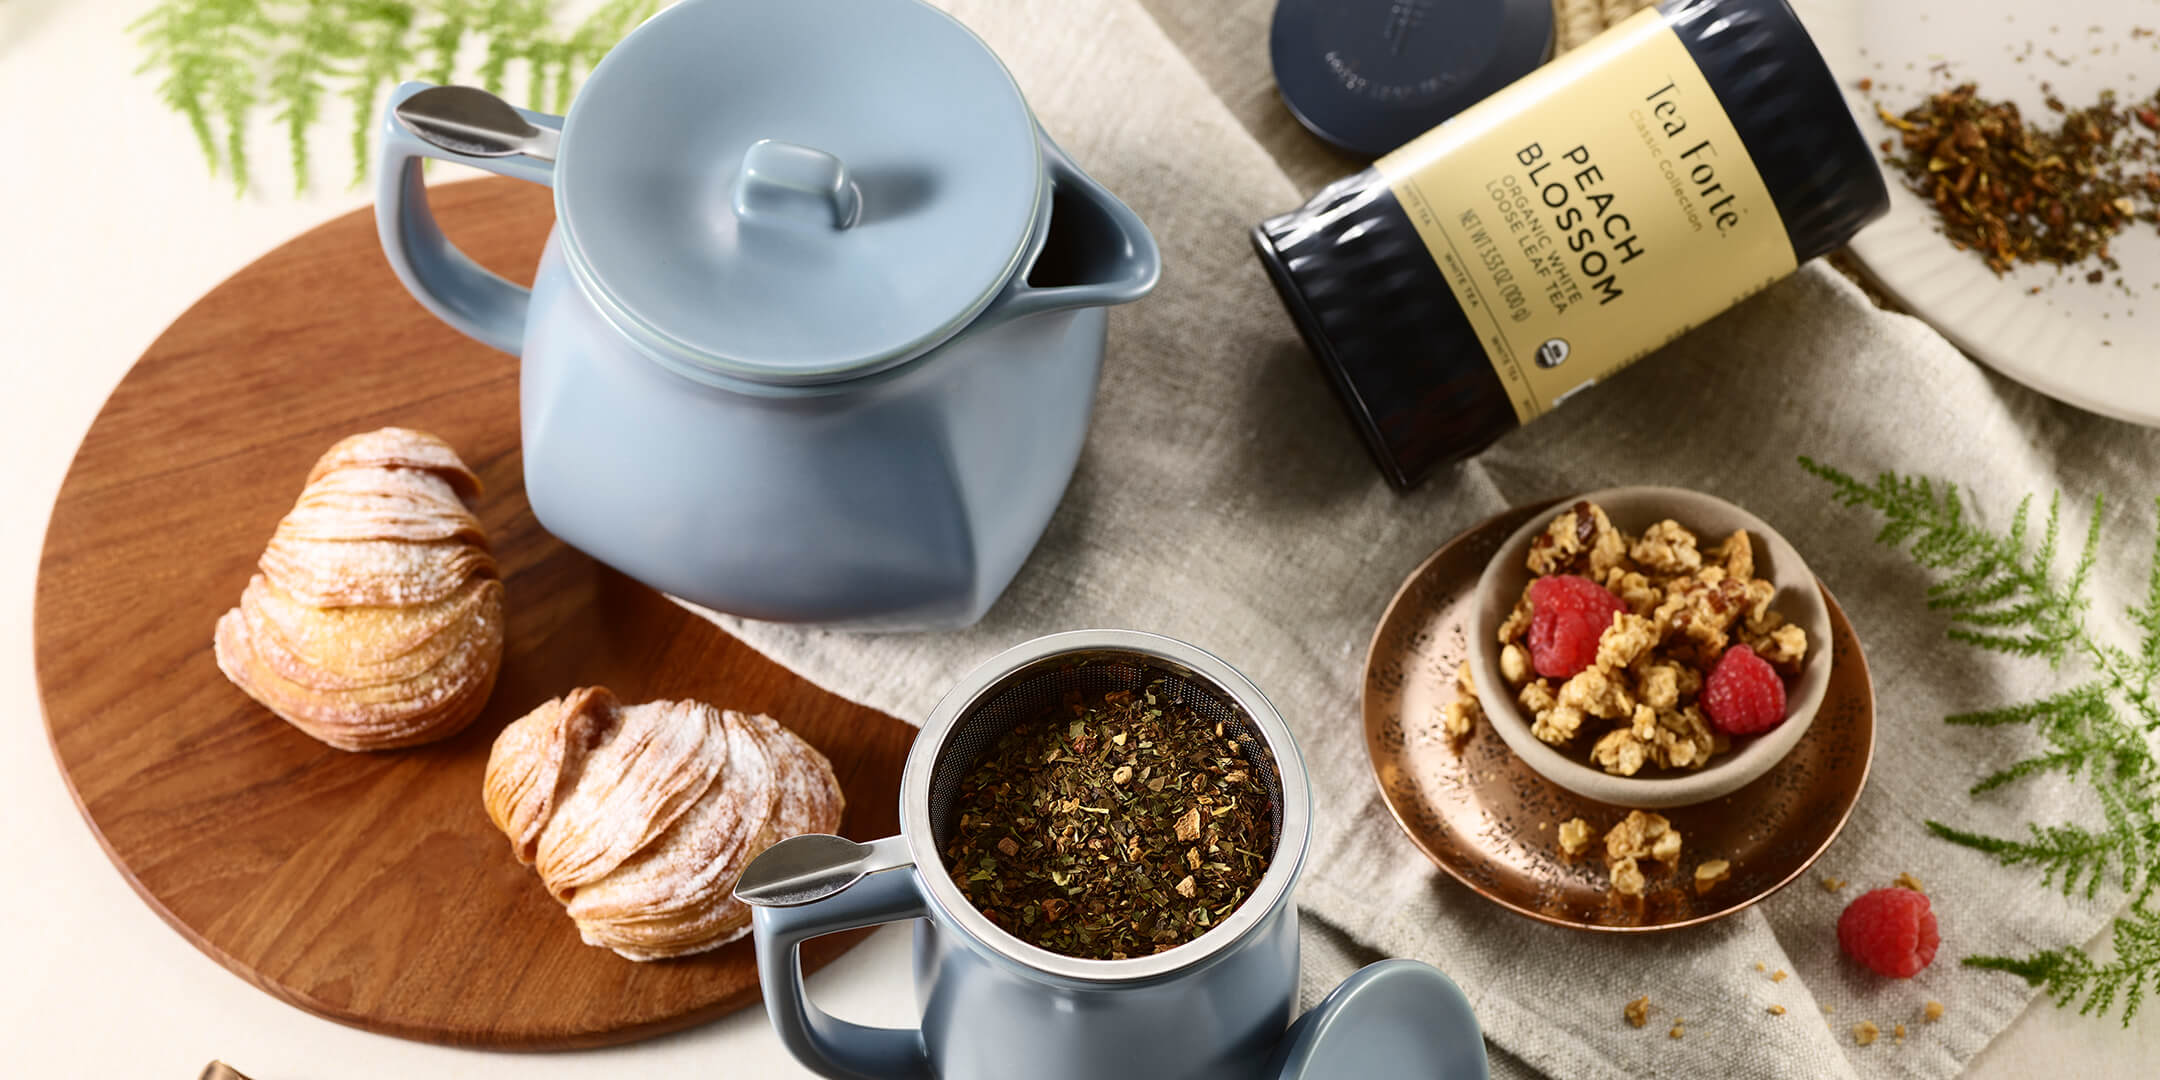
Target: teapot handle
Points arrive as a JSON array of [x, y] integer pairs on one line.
[[1126, 266], [827, 1045], [477, 301]]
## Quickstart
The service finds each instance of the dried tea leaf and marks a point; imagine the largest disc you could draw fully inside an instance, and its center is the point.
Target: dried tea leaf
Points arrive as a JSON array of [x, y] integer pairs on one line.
[[1112, 826]]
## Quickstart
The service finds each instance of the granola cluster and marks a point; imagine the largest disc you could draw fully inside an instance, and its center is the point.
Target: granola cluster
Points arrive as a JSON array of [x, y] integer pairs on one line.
[[1637, 838], [1685, 606]]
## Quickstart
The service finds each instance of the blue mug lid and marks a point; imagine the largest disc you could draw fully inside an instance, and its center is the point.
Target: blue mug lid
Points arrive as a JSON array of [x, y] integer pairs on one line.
[[798, 192], [1392, 1018], [1371, 75]]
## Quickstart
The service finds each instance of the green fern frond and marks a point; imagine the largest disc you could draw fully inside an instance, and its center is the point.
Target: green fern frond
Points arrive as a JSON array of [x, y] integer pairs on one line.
[[2066, 855], [2069, 761], [219, 61], [515, 27], [2025, 614], [1996, 594], [453, 19], [2147, 615], [382, 27], [235, 97], [543, 68], [2068, 974], [208, 50], [608, 24], [2077, 698], [2039, 644], [1992, 588], [319, 41], [1992, 581], [175, 38], [2089, 555]]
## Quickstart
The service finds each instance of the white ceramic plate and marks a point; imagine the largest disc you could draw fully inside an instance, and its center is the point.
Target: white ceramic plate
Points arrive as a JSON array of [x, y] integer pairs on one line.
[[2094, 346]]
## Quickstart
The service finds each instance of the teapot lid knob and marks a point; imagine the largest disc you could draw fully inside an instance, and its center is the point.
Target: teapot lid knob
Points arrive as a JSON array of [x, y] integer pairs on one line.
[[782, 181]]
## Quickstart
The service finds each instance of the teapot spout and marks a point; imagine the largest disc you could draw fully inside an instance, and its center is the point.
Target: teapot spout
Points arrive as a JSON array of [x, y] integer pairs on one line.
[[1097, 252]]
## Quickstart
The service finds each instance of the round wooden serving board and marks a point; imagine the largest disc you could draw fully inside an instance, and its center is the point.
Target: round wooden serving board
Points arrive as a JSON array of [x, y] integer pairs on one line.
[[367, 888]]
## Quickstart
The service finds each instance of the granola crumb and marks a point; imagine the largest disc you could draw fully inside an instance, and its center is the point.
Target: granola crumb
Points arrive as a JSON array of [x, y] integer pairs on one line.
[[1777, 1010], [1459, 716], [1627, 877], [1758, 965], [1666, 848], [1831, 884], [1933, 1012], [1676, 1030], [1514, 664], [1778, 975], [1710, 873], [1619, 752], [1638, 1011], [1829, 1009], [1897, 1031], [1865, 1032], [1574, 836], [1635, 836], [1907, 881]]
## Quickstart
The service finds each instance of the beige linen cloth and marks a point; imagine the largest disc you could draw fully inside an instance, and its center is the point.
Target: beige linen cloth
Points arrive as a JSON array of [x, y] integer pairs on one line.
[[1224, 499]]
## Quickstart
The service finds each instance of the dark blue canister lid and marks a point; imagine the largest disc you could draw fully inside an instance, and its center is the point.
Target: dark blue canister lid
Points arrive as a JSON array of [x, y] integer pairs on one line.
[[1371, 75]]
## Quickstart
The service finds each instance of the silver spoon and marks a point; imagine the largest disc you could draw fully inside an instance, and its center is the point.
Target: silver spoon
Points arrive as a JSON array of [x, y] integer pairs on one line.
[[802, 869], [471, 121]]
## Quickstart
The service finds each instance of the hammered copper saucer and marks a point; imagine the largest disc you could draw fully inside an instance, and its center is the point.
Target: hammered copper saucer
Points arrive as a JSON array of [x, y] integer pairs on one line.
[[1486, 819]]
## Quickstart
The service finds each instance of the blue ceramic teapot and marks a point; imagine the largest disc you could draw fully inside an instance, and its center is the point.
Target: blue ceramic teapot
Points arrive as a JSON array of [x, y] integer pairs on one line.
[[817, 333]]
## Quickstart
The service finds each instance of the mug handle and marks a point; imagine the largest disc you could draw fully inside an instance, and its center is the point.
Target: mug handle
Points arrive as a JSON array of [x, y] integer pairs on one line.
[[461, 292], [826, 1044]]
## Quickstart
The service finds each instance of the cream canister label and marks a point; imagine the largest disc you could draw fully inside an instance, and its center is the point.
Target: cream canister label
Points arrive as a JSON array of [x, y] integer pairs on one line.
[[1595, 210]]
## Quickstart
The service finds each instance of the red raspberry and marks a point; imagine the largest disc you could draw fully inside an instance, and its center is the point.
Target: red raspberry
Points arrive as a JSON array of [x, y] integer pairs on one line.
[[1743, 694], [1567, 615], [1892, 931]]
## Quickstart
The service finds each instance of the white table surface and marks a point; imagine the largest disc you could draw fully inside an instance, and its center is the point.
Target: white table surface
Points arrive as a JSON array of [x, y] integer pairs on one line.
[[109, 228]]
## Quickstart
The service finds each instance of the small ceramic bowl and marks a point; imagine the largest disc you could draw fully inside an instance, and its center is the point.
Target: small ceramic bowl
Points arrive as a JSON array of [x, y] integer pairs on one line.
[[1633, 509]]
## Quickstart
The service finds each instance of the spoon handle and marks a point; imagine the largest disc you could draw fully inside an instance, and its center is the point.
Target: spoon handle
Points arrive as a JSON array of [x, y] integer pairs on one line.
[[891, 853], [470, 121]]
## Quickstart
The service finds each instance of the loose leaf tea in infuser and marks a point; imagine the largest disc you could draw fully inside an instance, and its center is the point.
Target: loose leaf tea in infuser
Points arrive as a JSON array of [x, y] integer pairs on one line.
[[1116, 825]]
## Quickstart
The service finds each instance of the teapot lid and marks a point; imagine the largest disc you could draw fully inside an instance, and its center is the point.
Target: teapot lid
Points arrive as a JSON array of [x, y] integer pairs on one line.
[[798, 192]]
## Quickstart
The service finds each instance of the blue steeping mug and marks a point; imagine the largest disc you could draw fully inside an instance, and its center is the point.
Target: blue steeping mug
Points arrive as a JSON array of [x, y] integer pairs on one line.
[[995, 1007], [817, 333]]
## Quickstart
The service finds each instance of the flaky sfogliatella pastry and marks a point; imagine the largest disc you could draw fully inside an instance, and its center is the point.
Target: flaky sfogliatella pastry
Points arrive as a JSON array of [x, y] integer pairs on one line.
[[640, 818], [376, 620]]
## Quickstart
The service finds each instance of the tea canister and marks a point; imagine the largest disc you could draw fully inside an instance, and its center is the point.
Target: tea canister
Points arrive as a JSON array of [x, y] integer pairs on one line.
[[1547, 236], [993, 1006], [817, 332]]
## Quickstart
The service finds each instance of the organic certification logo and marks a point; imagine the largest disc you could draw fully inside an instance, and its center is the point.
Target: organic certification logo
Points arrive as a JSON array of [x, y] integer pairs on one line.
[[1553, 353]]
